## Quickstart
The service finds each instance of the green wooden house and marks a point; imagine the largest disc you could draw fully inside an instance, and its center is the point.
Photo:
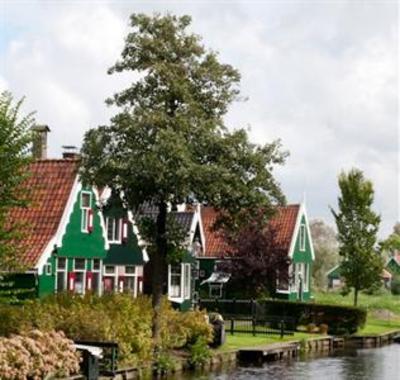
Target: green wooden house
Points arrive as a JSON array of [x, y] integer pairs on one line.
[[393, 264], [126, 256], [64, 241], [294, 236], [181, 276]]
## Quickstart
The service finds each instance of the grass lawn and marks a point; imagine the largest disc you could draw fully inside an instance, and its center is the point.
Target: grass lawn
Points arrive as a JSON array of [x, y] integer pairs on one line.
[[385, 301], [240, 340], [378, 326]]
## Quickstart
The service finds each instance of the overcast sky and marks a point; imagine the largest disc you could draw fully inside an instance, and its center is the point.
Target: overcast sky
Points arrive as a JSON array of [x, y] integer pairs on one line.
[[320, 75]]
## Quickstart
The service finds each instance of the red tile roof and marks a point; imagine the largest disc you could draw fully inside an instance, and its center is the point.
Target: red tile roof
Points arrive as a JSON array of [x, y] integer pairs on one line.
[[283, 223], [215, 245], [50, 183]]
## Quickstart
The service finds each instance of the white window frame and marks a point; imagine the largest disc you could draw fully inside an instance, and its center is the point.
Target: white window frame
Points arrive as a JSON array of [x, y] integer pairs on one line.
[[85, 211], [78, 270], [62, 270], [98, 271], [185, 283], [115, 221], [114, 274], [302, 245], [173, 296], [47, 269], [133, 275]]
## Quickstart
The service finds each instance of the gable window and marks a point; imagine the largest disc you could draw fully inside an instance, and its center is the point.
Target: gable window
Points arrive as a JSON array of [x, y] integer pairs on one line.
[[86, 209], [302, 237], [47, 269], [114, 230]]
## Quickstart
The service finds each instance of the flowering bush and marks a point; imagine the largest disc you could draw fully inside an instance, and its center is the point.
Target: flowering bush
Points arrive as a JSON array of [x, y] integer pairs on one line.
[[37, 355]]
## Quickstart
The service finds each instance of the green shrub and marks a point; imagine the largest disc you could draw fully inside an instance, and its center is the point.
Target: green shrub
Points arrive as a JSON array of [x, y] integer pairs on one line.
[[340, 319], [199, 352], [117, 317]]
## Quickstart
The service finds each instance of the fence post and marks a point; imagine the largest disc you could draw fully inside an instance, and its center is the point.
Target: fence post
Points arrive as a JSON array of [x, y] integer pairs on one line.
[[282, 328], [234, 306], [252, 308], [232, 325], [253, 322]]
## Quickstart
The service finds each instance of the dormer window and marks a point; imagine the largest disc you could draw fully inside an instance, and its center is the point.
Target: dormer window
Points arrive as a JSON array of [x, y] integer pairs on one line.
[[86, 209], [302, 237], [114, 230]]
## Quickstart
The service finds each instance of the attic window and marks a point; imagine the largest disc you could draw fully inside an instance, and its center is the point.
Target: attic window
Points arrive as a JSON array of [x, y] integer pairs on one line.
[[86, 203], [114, 230], [302, 237]]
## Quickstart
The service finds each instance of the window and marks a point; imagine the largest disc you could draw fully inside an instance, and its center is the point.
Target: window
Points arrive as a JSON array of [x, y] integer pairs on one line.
[[61, 277], [47, 269], [86, 202], [175, 281], [95, 265], [114, 230], [302, 237], [130, 269], [79, 276], [109, 269], [216, 291], [96, 276], [79, 264]]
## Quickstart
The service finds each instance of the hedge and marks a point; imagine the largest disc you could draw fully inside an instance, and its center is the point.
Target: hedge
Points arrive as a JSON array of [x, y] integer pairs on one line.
[[341, 320]]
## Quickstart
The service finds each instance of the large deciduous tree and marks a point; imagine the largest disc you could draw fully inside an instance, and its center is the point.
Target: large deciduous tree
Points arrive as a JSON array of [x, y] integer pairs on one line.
[[326, 251], [357, 225], [168, 144]]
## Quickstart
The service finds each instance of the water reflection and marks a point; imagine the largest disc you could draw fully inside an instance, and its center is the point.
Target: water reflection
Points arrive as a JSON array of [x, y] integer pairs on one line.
[[367, 364]]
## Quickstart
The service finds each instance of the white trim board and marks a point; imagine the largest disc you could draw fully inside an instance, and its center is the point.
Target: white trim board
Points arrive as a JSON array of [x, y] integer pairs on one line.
[[302, 211]]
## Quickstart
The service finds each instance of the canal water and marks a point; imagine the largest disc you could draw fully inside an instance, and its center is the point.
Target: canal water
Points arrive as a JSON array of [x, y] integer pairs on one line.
[[364, 364]]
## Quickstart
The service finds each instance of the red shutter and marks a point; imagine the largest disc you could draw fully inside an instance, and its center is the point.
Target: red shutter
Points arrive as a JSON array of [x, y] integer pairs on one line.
[[125, 231], [90, 220], [71, 281], [89, 280]]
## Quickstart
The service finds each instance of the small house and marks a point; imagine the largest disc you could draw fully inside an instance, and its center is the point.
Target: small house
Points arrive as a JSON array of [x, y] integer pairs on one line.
[[293, 236]]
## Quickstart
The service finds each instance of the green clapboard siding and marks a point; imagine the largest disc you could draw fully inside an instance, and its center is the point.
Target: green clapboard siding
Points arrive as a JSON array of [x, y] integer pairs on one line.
[[76, 243], [128, 253]]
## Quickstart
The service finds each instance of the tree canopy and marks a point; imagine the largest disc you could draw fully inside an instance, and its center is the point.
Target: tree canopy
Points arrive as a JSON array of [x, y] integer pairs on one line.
[[168, 143], [357, 224], [15, 141]]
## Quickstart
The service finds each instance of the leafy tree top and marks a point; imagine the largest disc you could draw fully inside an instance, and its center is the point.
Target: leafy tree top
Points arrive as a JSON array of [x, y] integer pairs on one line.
[[15, 143], [168, 143]]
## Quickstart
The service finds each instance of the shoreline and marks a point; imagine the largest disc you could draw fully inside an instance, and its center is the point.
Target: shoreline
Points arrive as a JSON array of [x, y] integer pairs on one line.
[[320, 345]]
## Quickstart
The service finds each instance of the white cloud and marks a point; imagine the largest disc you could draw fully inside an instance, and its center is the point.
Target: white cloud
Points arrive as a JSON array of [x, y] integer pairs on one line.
[[322, 77]]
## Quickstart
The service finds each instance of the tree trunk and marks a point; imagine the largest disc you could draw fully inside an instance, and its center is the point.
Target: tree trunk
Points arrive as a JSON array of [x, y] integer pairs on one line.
[[159, 268], [355, 296]]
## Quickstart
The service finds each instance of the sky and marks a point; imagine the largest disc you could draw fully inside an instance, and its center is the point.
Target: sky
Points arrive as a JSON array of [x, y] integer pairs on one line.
[[322, 76]]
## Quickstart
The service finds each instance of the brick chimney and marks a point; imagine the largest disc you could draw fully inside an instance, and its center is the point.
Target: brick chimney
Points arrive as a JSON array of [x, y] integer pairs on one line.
[[39, 145]]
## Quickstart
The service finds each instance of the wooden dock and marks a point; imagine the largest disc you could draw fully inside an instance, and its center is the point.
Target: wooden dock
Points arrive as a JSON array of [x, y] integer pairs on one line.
[[270, 352]]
